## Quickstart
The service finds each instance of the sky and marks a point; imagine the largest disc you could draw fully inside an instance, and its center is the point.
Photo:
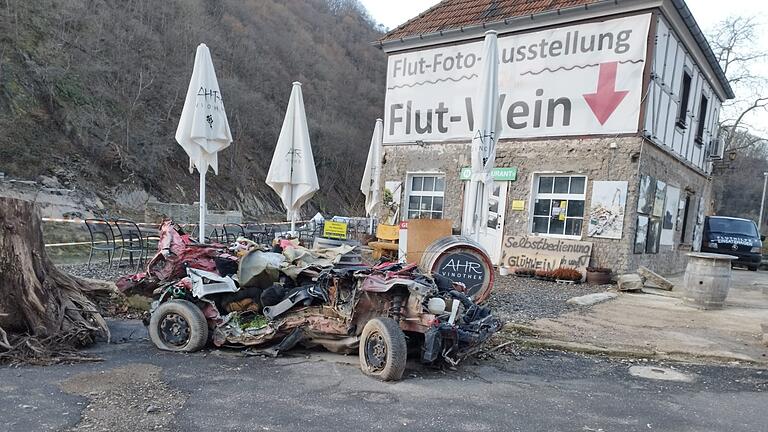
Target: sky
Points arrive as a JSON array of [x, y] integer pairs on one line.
[[708, 13], [392, 13]]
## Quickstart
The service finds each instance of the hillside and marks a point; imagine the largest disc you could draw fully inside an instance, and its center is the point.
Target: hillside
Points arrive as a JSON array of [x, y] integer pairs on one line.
[[92, 91]]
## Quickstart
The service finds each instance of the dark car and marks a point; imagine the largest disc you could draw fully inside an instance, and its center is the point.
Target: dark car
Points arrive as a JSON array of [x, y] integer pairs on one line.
[[734, 236]]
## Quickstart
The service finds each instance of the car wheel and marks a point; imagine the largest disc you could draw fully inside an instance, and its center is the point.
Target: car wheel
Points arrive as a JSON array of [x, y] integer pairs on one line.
[[383, 350], [753, 268], [178, 325]]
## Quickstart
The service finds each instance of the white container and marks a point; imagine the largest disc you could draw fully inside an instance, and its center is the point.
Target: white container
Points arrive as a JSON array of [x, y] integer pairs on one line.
[[707, 280], [503, 271]]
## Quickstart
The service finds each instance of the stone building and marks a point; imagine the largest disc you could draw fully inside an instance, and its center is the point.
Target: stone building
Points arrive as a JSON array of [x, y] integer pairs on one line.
[[609, 112]]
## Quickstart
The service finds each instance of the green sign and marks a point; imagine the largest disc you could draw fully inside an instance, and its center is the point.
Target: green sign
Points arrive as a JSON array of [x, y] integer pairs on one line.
[[499, 174]]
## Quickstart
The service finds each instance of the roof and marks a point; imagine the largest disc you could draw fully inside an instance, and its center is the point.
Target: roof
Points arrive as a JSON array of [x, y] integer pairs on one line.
[[730, 218], [461, 14], [449, 14]]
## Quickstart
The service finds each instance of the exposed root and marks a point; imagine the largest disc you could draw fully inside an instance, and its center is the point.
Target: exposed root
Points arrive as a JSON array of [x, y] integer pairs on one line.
[[59, 348]]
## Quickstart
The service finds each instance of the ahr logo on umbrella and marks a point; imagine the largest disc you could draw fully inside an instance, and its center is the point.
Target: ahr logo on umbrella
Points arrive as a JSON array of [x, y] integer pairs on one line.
[[294, 155]]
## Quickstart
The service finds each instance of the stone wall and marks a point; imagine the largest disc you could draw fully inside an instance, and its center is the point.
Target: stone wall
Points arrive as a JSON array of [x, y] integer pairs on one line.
[[657, 163], [430, 158], [592, 157], [605, 158]]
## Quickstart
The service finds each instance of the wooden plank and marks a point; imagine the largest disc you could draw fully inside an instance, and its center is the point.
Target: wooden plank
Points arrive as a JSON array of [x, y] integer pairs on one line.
[[424, 232]]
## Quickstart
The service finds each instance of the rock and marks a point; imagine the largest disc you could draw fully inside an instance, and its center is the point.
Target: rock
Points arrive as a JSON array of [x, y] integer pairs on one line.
[[656, 279], [152, 409], [591, 299], [630, 282], [49, 182], [660, 373]]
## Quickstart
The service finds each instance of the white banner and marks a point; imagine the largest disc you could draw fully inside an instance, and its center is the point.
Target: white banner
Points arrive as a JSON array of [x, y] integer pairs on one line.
[[577, 80]]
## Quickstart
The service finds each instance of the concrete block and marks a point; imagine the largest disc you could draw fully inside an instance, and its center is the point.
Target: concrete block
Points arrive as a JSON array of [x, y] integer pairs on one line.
[[591, 299], [656, 279], [630, 282]]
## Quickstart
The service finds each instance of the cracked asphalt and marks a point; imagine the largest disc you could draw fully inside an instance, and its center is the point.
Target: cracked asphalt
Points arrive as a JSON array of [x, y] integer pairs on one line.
[[139, 388]]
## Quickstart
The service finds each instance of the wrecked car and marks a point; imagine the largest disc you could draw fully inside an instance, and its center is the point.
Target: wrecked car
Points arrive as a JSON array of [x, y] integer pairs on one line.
[[271, 302]]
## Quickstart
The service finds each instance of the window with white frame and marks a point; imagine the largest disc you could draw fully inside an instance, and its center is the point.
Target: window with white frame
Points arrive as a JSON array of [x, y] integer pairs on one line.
[[426, 193], [559, 205]]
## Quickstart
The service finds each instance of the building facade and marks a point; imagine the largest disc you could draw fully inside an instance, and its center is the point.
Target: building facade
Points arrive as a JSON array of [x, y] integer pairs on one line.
[[609, 126]]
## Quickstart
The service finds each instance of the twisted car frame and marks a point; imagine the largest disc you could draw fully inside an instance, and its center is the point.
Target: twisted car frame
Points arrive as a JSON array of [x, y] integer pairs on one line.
[[383, 312]]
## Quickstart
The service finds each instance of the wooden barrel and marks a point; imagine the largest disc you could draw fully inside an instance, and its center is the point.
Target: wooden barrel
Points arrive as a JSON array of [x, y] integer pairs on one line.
[[707, 280], [461, 259]]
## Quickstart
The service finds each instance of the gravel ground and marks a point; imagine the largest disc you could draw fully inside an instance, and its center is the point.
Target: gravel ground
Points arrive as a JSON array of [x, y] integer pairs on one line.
[[516, 299], [129, 398], [513, 299], [99, 271]]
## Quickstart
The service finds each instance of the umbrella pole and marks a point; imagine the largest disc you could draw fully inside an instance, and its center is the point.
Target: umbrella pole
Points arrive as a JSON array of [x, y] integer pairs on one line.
[[478, 217], [201, 239]]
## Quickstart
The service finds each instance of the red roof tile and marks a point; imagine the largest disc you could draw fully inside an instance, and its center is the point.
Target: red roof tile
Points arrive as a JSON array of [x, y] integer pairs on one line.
[[450, 14]]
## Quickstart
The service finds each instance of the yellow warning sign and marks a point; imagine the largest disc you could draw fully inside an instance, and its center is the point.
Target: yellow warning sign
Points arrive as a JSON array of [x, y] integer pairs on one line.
[[335, 230]]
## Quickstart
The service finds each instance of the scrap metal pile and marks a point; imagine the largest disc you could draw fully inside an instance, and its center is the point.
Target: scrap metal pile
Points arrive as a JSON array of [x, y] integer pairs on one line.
[[290, 295]]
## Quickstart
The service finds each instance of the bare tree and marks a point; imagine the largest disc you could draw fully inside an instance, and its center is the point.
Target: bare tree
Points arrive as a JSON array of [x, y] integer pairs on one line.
[[733, 42]]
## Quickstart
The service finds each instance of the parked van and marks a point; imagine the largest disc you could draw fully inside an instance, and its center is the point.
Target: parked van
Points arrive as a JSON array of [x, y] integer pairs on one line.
[[734, 236]]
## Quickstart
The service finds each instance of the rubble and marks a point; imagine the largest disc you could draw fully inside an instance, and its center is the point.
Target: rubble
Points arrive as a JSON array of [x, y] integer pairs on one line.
[[630, 282], [655, 279], [592, 299], [272, 300]]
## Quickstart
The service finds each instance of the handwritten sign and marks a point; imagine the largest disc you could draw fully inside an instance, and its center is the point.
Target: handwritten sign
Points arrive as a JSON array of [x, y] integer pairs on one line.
[[544, 253], [335, 230]]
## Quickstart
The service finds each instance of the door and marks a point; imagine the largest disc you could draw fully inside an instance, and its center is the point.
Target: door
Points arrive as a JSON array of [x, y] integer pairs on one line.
[[492, 237]]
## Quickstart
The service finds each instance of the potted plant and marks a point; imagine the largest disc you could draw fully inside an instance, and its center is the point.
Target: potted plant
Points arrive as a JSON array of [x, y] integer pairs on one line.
[[598, 275], [569, 275], [544, 275], [525, 272]]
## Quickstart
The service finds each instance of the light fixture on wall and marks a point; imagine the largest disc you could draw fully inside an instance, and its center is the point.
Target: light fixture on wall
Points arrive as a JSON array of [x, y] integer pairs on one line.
[[732, 155]]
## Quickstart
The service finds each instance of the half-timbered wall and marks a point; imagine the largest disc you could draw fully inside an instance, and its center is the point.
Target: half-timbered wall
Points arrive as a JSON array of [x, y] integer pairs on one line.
[[670, 61]]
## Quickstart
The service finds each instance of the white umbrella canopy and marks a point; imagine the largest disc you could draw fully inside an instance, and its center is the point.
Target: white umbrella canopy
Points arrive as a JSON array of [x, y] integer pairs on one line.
[[292, 172], [203, 129], [483, 149], [371, 184]]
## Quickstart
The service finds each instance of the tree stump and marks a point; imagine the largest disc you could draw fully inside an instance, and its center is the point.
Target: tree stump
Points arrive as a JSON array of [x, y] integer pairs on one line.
[[44, 313]]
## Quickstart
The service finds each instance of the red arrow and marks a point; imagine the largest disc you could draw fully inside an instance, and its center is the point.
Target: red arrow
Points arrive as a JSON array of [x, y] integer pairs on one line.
[[605, 101]]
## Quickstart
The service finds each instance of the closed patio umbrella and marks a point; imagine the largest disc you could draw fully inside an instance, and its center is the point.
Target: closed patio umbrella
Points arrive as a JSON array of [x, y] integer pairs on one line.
[[371, 184], [292, 171], [483, 150], [203, 129]]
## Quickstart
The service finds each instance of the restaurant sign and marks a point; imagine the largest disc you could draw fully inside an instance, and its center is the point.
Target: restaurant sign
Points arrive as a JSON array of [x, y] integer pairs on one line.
[[498, 174]]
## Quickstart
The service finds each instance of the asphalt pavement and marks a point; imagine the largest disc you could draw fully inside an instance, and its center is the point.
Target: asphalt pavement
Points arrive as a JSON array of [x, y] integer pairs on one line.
[[139, 388]]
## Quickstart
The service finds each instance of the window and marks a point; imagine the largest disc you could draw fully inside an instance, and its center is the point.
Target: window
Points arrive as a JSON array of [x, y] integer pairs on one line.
[[425, 196], [702, 120], [685, 94], [684, 228], [558, 207]]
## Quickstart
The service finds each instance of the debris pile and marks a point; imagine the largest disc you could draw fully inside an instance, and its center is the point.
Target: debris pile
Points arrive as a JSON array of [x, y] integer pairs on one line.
[[271, 300]]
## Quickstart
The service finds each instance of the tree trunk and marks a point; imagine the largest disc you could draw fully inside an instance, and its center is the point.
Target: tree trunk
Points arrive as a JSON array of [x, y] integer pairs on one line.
[[38, 301]]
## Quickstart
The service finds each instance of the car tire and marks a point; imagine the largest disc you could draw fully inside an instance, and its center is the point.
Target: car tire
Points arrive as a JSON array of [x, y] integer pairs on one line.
[[178, 325], [753, 268], [383, 349]]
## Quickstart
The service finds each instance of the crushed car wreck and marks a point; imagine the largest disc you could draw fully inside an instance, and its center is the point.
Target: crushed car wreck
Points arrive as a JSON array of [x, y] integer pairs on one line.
[[271, 302]]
